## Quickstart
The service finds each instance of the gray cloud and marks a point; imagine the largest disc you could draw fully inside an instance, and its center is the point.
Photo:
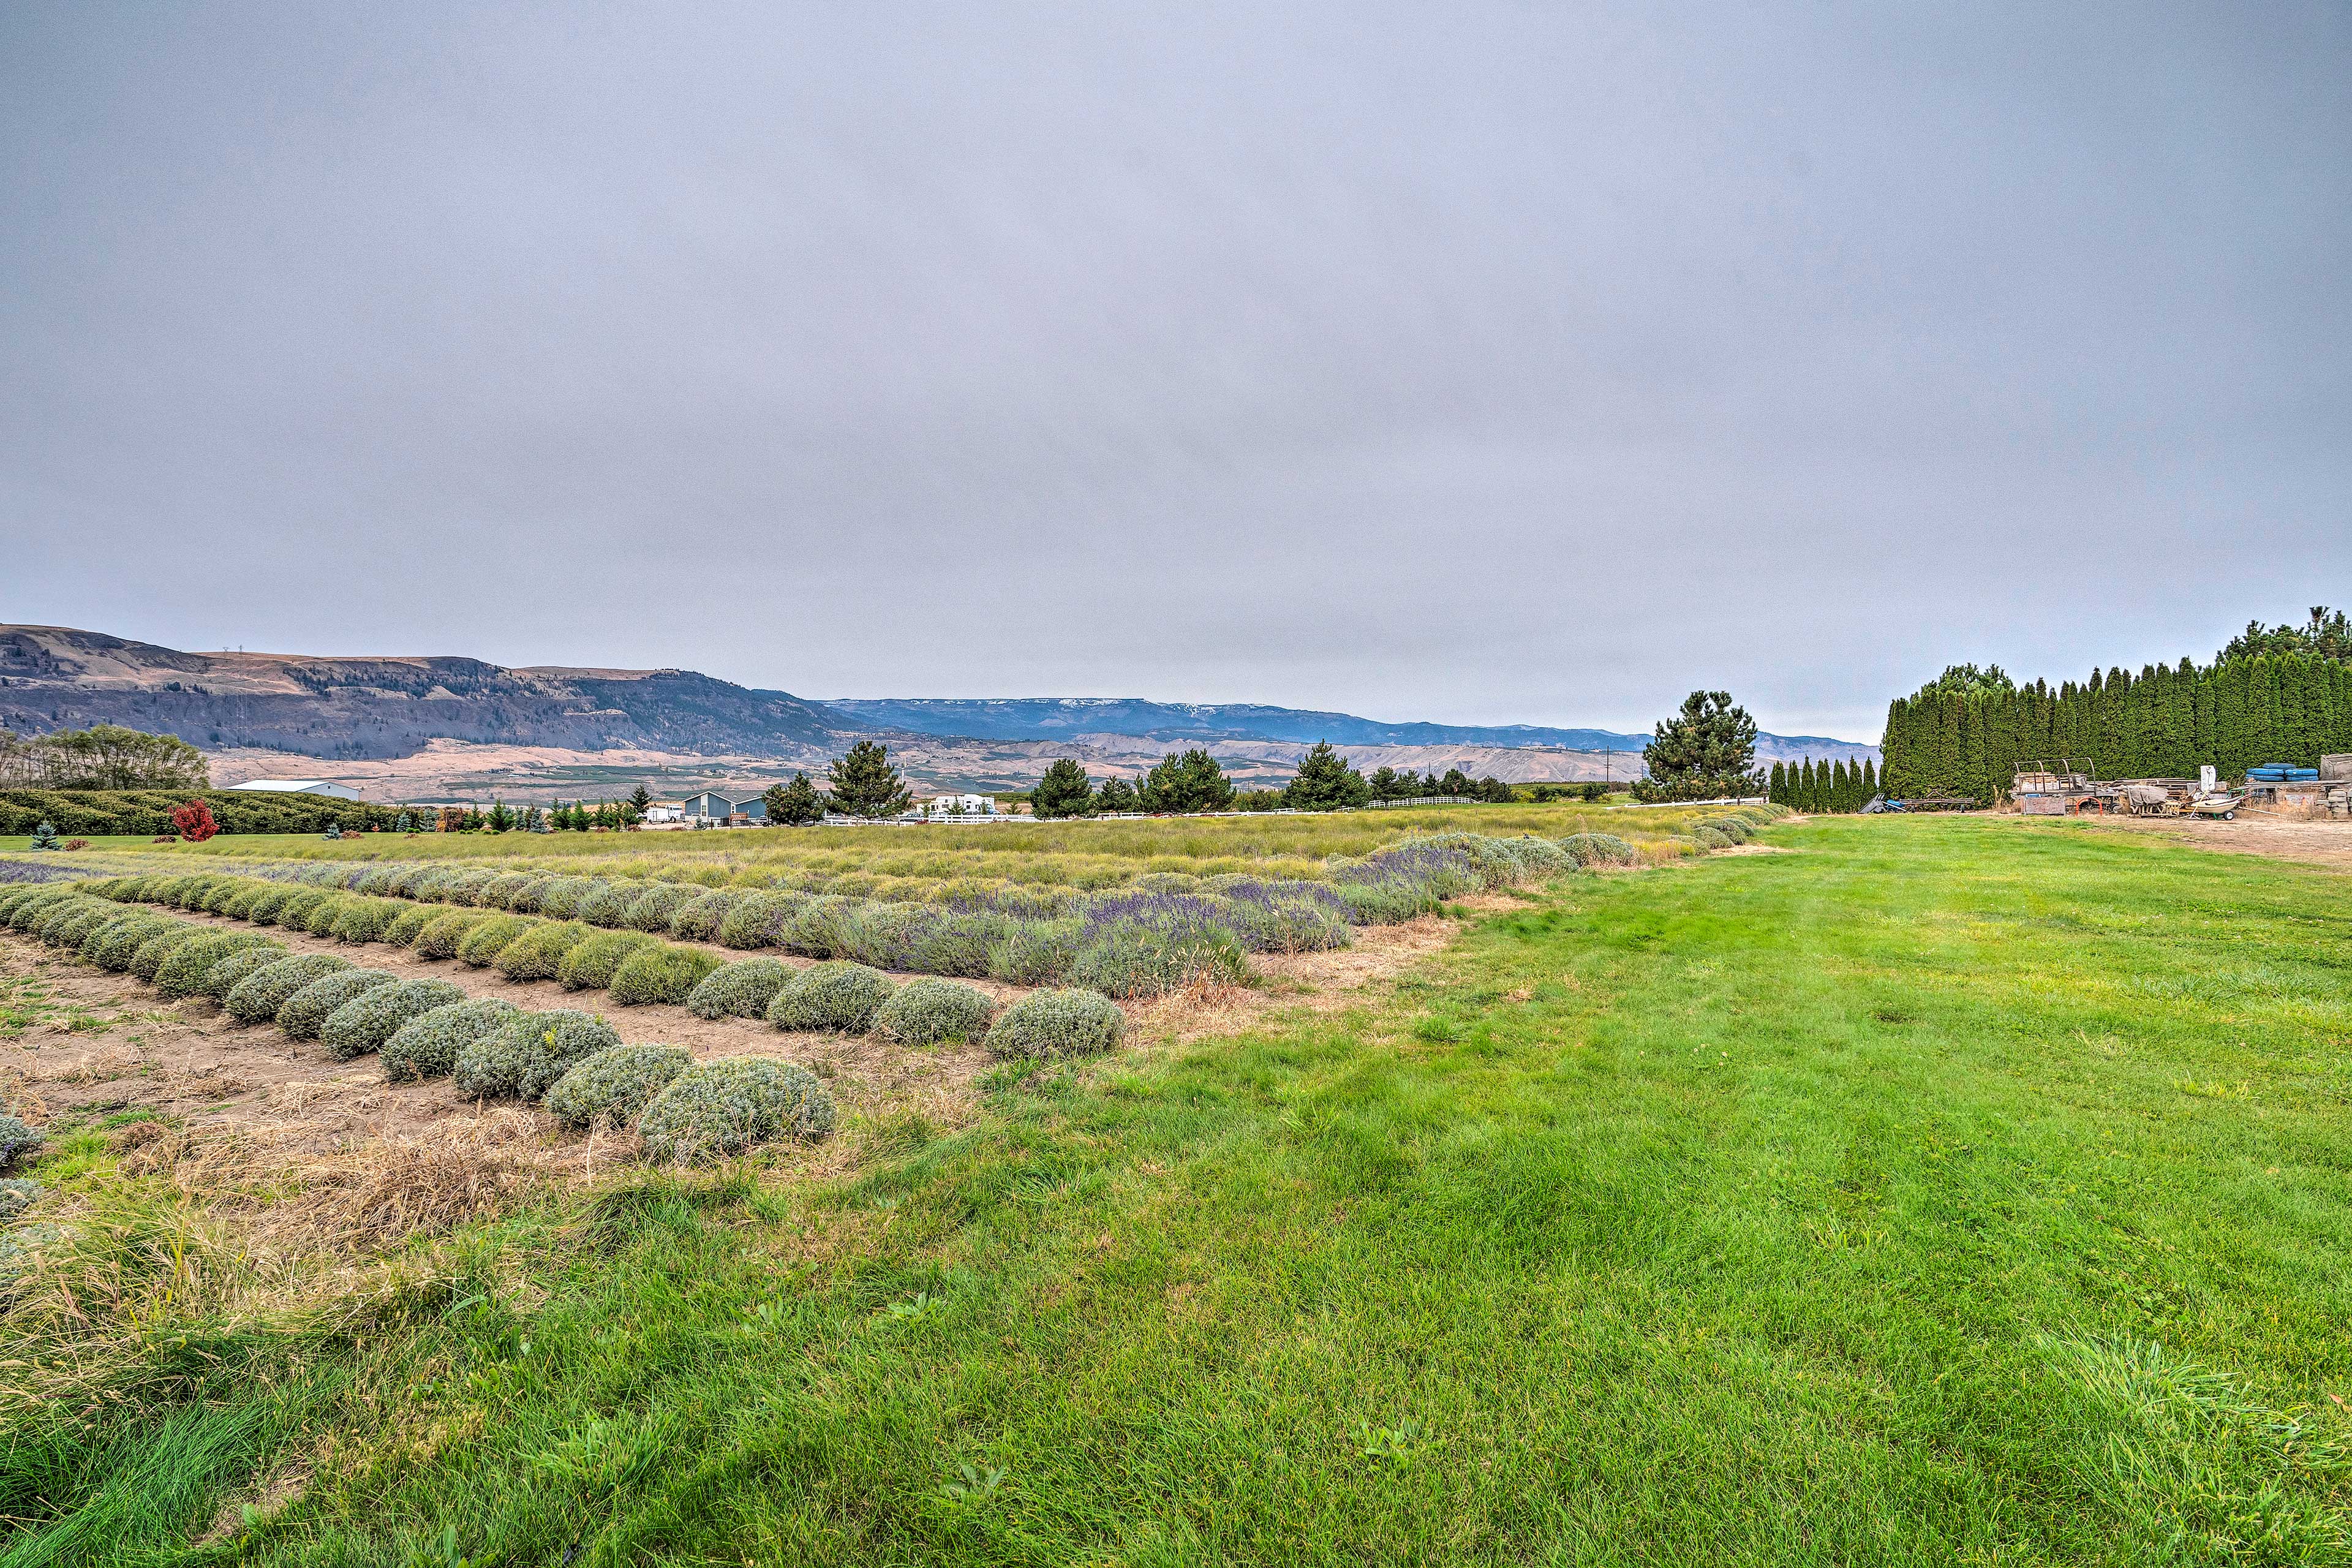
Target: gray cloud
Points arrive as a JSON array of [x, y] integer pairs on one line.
[[1476, 363]]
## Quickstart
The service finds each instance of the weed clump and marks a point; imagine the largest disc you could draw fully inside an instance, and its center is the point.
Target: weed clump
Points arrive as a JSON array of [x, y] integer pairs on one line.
[[427, 1044], [528, 1053], [1050, 1024], [740, 989], [365, 1022], [257, 998], [537, 952], [843, 996], [609, 1088], [590, 965], [306, 1012], [729, 1108], [927, 1012], [661, 973]]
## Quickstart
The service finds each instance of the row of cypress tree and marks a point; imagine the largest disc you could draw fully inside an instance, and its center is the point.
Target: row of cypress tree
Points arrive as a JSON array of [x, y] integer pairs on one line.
[[1967, 736], [1831, 787]]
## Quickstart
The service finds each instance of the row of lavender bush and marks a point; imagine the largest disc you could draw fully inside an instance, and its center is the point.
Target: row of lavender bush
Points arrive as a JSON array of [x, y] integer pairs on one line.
[[1161, 932]]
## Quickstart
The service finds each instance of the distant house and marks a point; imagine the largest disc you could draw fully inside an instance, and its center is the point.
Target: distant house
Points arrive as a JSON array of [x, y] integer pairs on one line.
[[962, 805], [711, 806], [294, 787]]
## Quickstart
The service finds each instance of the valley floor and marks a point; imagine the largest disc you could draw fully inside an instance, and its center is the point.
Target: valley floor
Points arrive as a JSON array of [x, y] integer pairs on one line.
[[1934, 1191]]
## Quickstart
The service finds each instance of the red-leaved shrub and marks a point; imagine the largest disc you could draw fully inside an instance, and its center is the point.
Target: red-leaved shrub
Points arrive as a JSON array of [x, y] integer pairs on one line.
[[195, 822]]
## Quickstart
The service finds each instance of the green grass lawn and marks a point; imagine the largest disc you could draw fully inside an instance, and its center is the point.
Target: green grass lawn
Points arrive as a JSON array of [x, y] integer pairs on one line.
[[1947, 1191]]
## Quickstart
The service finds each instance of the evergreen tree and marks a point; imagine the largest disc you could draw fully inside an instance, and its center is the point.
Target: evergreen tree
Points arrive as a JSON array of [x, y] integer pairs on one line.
[[1064, 791], [1325, 783], [639, 799], [866, 785], [1385, 785], [794, 805], [1777, 792], [1456, 781], [1117, 797], [1869, 781], [1705, 751], [499, 818], [45, 836], [1190, 782]]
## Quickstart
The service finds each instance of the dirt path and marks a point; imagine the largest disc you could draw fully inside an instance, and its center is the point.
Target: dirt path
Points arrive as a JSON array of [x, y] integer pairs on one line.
[[2311, 842]]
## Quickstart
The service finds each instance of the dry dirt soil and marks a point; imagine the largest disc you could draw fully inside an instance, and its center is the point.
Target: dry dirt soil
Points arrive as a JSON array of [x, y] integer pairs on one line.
[[2314, 841], [78, 1042]]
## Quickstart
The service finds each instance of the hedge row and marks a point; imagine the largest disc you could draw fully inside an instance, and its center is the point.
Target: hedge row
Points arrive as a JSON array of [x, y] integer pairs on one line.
[[1159, 933], [428, 1029], [148, 813]]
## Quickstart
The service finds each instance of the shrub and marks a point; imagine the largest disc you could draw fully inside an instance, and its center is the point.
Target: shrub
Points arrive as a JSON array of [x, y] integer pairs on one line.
[[525, 899], [605, 905], [817, 927], [926, 1011], [731, 1107], [216, 899], [481, 945], [427, 1044], [528, 1053], [843, 996], [1036, 953], [28, 912], [740, 989], [663, 974], [256, 998], [182, 974], [294, 911], [958, 941], [1133, 960], [882, 935], [16, 1196], [149, 960], [240, 902], [17, 1139], [406, 925], [697, 919], [609, 1088], [117, 944], [757, 919], [365, 1022], [559, 899], [441, 935], [1598, 849], [367, 919], [537, 952], [321, 920], [501, 891], [263, 907], [590, 965], [1049, 1023], [653, 909], [306, 1012], [80, 918]]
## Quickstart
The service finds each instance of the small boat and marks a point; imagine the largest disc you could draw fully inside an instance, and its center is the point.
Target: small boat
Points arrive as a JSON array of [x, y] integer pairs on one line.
[[2217, 804]]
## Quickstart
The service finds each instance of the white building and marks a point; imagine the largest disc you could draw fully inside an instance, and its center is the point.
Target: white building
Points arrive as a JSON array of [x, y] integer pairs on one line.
[[295, 787], [962, 805]]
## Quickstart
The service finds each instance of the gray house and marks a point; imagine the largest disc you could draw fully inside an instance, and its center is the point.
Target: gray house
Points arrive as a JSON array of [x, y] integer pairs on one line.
[[716, 807]]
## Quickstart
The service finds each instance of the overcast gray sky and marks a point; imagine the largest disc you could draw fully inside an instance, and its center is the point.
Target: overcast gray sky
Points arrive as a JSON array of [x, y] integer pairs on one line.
[[1467, 362]]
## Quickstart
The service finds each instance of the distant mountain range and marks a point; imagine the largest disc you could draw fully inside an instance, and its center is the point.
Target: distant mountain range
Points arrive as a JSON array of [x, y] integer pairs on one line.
[[1050, 718], [362, 711]]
